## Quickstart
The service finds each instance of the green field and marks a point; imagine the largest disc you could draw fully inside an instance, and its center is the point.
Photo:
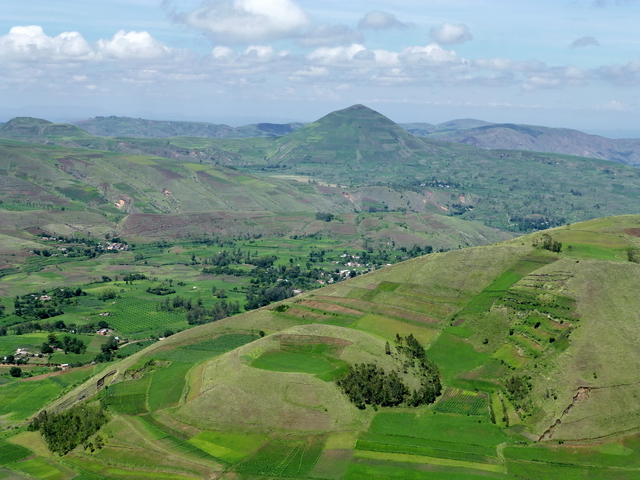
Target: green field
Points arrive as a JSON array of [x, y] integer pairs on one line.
[[293, 362], [228, 447], [465, 430], [167, 385]]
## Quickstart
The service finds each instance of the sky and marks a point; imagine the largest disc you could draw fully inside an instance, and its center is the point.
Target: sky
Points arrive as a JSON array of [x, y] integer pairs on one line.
[[559, 63]]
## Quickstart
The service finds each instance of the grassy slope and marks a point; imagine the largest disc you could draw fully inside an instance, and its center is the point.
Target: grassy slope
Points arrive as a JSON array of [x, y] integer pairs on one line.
[[357, 149], [430, 293]]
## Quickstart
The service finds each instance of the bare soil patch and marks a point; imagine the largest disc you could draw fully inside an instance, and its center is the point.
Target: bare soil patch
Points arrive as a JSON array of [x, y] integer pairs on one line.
[[634, 232], [308, 420]]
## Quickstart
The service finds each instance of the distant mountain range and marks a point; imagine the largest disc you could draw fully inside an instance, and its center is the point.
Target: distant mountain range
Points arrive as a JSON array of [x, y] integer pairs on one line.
[[477, 133], [137, 127], [351, 160]]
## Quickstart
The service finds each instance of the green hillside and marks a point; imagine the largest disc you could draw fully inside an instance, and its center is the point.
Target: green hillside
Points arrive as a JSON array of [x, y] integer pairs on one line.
[[535, 340], [372, 165], [354, 137], [538, 139]]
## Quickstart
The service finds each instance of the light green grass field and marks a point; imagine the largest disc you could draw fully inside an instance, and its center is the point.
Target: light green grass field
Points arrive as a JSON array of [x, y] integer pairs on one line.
[[465, 430], [167, 385], [229, 447], [387, 328], [454, 355]]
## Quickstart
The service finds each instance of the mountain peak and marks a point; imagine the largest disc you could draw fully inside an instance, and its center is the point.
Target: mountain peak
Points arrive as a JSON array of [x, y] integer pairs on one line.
[[354, 134]]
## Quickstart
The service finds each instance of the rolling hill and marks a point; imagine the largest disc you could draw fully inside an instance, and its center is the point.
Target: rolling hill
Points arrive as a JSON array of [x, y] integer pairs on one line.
[[522, 335], [368, 163], [537, 139]]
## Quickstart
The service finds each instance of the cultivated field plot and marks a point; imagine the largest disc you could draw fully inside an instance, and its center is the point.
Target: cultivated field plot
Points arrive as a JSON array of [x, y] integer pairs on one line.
[[129, 397], [167, 385], [293, 458], [463, 402], [228, 447], [197, 352], [138, 316]]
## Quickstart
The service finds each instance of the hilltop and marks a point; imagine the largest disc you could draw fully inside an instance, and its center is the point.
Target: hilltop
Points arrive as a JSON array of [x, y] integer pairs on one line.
[[355, 136], [521, 332], [534, 138]]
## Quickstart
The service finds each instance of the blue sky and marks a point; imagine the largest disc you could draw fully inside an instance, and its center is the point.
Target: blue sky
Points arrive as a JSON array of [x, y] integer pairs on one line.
[[572, 64]]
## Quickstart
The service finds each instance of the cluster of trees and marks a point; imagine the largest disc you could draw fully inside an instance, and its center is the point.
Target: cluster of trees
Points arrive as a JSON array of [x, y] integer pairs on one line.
[[261, 296], [518, 387], [326, 217], [130, 277], [196, 313], [38, 306], [220, 310], [548, 243], [415, 358], [161, 290], [368, 384], [531, 224], [67, 344], [66, 430], [107, 351]]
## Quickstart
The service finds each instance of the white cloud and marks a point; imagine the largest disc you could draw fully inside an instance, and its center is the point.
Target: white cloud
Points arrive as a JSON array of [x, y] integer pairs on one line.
[[309, 73], [222, 52], [30, 43], [381, 21], [585, 42], [449, 34], [336, 54], [327, 34], [246, 21], [432, 54], [133, 46], [628, 74]]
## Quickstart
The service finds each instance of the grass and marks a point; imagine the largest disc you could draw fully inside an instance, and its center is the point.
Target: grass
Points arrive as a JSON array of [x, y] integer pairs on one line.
[[293, 362], [454, 356], [229, 447], [503, 282], [167, 385], [622, 453], [129, 397], [362, 471], [284, 458], [387, 328], [40, 468], [462, 402], [445, 462], [205, 349], [10, 452], [20, 400], [510, 355], [465, 430]]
